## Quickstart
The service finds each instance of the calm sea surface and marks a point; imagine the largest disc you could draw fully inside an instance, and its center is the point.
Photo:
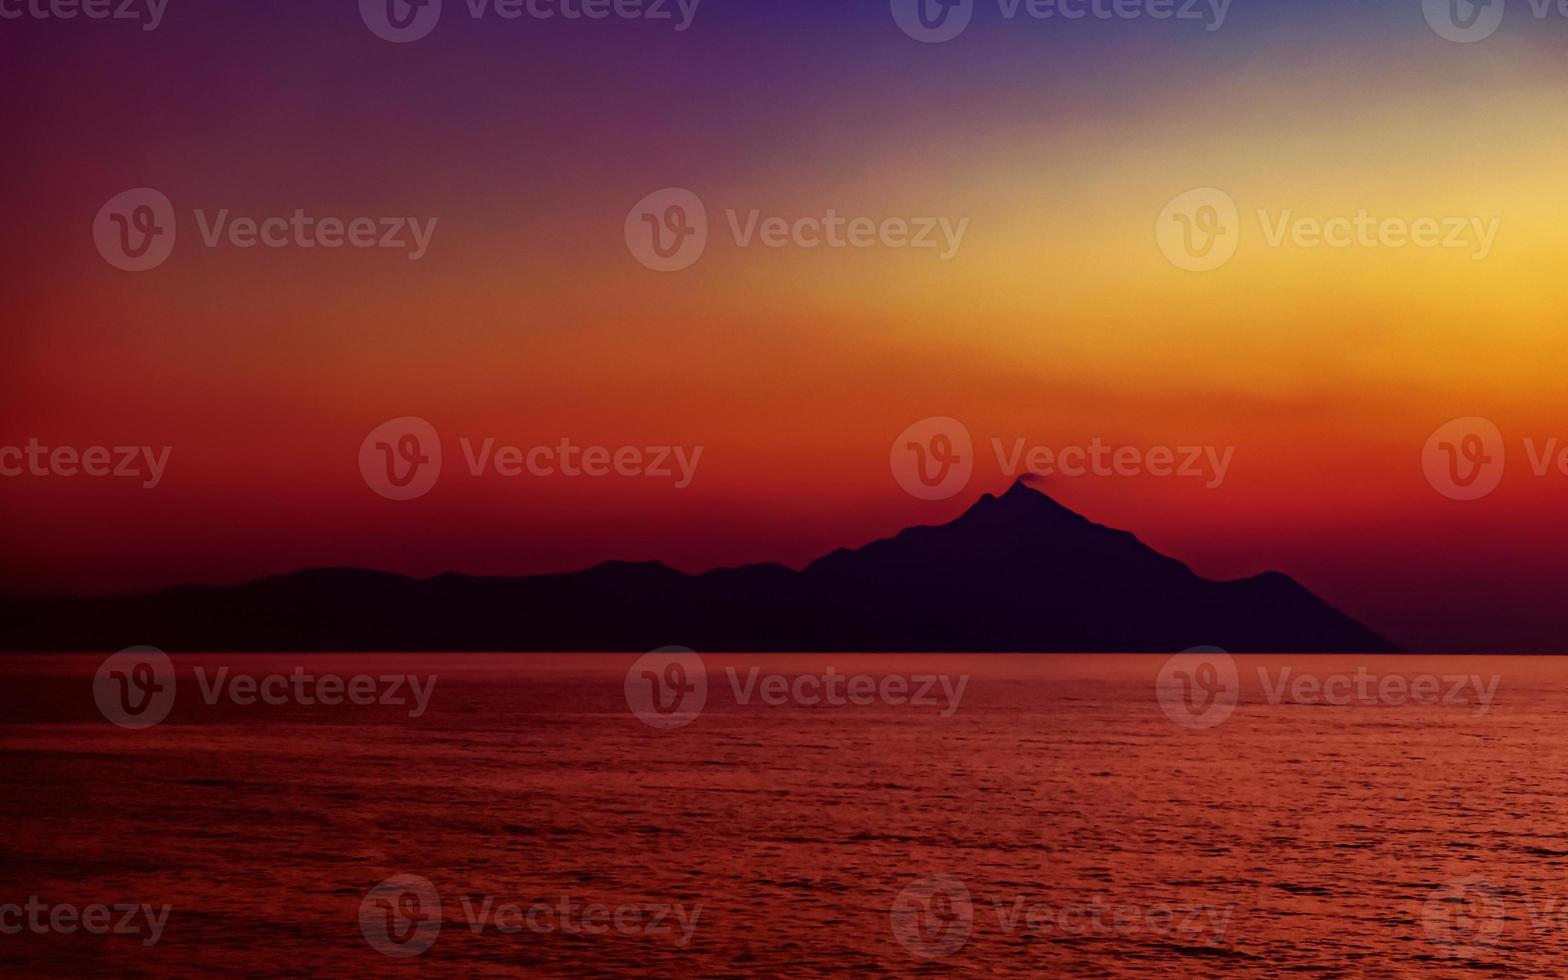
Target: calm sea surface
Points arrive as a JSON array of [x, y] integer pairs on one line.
[[1358, 816]]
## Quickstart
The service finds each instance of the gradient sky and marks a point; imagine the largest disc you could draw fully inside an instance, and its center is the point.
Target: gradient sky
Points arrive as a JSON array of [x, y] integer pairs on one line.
[[1059, 321]]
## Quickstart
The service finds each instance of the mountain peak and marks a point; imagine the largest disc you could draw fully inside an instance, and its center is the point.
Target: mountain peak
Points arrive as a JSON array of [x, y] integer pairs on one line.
[[1020, 487], [1024, 500], [1028, 487]]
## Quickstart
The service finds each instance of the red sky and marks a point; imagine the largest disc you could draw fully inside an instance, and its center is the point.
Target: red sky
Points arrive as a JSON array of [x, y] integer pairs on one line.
[[1057, 322]]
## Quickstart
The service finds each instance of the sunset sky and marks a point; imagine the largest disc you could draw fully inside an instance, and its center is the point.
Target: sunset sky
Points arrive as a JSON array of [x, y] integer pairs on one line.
[[1058, 321]]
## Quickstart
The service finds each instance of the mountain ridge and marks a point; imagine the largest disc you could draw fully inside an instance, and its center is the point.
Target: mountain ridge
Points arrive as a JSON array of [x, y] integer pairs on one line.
[[1016, 572]]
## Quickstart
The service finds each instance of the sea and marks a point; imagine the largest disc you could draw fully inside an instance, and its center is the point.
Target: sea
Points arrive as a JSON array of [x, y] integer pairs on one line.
[[698, 814]]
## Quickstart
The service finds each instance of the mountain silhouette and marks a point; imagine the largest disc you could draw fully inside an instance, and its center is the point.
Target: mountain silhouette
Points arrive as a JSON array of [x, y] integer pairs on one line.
[[1017, 572]]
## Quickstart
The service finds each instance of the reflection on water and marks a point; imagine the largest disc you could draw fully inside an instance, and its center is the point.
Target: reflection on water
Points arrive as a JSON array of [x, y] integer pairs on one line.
[[1035, 815]]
